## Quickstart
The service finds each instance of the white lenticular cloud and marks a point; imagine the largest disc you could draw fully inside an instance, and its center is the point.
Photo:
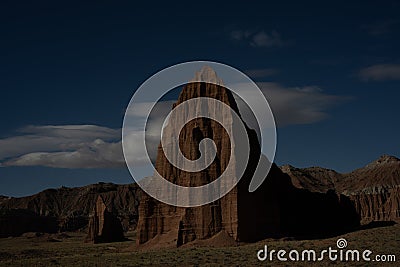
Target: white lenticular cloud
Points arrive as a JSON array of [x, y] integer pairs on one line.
[[97, 154], [63, 146]]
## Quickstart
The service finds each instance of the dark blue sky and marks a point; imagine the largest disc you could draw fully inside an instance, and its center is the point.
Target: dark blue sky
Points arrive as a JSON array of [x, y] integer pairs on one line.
[[65, 63]]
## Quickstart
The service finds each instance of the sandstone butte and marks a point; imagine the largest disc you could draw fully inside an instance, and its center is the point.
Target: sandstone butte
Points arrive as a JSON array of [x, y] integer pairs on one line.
[[275, 209]]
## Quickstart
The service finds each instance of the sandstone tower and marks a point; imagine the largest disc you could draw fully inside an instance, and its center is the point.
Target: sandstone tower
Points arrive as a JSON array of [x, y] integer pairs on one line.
[[181, 225], [243, 216]]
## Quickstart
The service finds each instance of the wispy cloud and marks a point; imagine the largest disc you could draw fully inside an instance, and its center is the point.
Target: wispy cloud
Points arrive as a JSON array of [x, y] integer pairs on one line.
[[380, 72], [63, 146], [83, 146], [299, 105], [241, 35], [96, 154], [293, 105], [259, 38], [54, 138], [381, 27], [263, 39]]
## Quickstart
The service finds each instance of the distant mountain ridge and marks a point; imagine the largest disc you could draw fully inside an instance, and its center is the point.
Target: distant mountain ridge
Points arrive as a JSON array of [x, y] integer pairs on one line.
[[383, 172]]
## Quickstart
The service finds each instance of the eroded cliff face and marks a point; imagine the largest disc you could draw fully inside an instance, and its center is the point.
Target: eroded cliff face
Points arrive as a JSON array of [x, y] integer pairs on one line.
[[276, 208], [374, 190], [381, 205]]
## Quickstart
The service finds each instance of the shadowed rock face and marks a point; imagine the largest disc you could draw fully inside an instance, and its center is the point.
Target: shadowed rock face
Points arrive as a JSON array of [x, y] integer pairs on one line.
[[276, 208], [104, 226]]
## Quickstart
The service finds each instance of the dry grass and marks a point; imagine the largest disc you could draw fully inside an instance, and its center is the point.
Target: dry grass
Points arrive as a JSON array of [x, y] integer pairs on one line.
[[53, 251]]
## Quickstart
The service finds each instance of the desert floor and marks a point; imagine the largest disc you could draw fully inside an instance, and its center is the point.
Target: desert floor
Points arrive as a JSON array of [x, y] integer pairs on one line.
[[68, 249]]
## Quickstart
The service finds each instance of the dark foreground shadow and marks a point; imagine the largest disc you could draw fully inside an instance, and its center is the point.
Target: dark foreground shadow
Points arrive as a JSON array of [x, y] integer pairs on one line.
[[376, 224]]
